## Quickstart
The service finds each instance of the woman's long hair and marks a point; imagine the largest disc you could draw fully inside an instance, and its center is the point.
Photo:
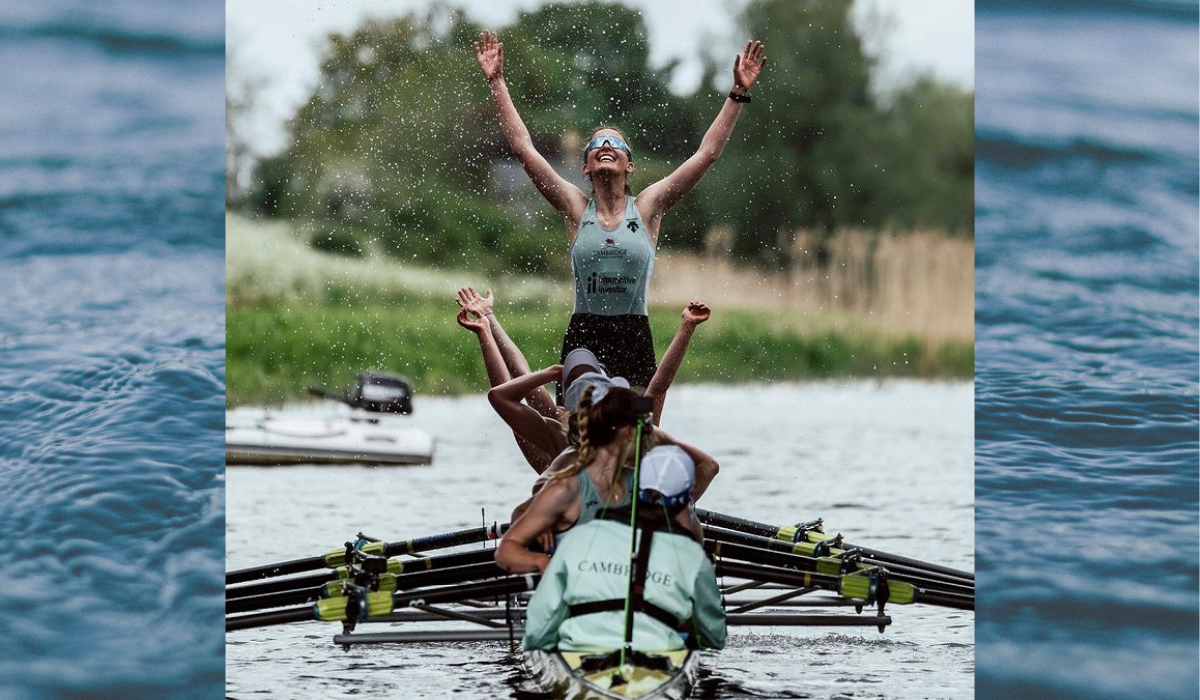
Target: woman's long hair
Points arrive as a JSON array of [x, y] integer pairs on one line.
[[624, 138], [598, 425]]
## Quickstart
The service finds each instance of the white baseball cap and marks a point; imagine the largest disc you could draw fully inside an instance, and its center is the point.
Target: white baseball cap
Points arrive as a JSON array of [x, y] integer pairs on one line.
[[601, 382], [668, 470], [580, 357]]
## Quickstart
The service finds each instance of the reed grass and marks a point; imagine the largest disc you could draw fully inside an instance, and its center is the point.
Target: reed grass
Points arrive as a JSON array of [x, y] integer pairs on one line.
[[298, 317]]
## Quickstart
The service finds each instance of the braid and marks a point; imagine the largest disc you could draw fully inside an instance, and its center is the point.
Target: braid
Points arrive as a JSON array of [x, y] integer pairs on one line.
[[586, 451], [597, 425]]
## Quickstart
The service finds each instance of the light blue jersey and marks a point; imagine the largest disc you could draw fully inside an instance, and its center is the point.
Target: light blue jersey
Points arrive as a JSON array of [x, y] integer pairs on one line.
[[612, 268], [592, 564]]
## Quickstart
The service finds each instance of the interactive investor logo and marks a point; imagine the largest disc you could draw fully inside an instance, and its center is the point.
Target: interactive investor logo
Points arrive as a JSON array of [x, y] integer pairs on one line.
[[609, 284]]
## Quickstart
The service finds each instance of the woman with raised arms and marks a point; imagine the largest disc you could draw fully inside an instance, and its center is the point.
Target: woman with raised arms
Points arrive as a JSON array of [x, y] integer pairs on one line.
[[613, 234]]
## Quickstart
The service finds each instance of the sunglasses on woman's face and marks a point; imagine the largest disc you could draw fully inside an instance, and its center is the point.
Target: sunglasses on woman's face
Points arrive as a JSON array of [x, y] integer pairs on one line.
[[614, 142]]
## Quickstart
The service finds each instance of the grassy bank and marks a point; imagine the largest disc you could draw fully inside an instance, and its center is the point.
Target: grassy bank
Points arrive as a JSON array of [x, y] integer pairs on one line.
[[298, 317], [274, 351]]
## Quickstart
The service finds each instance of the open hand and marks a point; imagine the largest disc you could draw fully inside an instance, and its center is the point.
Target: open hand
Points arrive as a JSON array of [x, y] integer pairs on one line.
[[696, 313], [490, 53], [747, 66], [476, 325], [470, 300]]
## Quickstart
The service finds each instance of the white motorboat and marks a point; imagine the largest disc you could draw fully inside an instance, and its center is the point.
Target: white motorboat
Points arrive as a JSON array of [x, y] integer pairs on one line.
[[368, 429]]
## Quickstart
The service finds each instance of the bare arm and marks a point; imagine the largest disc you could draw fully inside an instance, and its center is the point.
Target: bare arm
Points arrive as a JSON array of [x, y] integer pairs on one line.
[[493, 362], [566, 198], [706, 465], [539, 399], [497, 373], [549, 507], [694, 314], [657, 199], [527, 423]]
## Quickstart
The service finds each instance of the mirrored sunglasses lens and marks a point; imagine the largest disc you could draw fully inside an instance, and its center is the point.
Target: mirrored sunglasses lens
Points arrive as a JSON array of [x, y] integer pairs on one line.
[[613, 142]]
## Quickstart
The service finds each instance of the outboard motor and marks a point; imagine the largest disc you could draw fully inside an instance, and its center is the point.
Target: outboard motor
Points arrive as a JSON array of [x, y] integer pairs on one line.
[[377, 392], [383, 393]]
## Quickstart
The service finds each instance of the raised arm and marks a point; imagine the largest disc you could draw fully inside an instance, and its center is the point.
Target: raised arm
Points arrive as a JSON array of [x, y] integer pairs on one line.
[[493, 362], [543, 433], [694, 314], [539, 399], [566, 198], [657, 199], [706, 465]]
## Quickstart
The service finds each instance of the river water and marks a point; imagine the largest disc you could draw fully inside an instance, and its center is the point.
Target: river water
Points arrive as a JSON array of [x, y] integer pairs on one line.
[[1086, 349], [889, 464], [112, 350]]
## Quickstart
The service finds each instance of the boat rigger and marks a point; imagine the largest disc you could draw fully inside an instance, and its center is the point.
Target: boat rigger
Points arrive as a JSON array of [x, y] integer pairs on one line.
[[446, 588]]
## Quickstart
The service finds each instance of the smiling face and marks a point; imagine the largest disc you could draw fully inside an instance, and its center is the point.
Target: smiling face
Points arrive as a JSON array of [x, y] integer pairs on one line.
[[607, 160]]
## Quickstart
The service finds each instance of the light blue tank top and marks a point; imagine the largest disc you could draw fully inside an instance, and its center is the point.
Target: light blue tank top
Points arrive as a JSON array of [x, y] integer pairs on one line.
[[592, 502], [612, 268]]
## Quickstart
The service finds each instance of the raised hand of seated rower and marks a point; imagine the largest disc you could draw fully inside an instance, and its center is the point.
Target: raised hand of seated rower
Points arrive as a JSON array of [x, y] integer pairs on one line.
[[477, 325], [471, 300], [696, 313]]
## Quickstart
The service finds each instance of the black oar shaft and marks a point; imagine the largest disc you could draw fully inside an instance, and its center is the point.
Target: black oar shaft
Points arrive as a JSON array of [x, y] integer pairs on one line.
[[946, 600], [295, 583], [735, 523], [756, 572], [487, 589], [295, 566], [266, 619], [435, 577], [449, 594], [331, 560], [300, 583], [444, 541], [755, 549], [772, 531]]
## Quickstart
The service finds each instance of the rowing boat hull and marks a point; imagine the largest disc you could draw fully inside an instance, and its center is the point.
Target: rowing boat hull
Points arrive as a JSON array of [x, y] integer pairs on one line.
[[559, 673]]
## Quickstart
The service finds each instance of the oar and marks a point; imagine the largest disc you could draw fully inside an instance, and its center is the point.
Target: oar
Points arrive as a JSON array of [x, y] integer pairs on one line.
[[342, 573], [754, 555], [337, 557], [837, 561], [371, 605], [387, 583], [791, 533], [866, 586]]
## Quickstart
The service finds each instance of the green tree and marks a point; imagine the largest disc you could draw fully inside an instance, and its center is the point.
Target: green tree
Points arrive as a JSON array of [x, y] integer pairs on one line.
[[399, 148]]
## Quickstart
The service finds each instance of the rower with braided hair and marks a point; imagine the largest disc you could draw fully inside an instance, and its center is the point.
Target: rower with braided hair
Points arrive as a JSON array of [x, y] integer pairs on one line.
[[598, 477]]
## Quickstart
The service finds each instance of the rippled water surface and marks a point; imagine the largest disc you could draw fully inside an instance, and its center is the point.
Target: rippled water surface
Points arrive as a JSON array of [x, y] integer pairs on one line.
[[1086, 349], [111, 350], [888, 465]]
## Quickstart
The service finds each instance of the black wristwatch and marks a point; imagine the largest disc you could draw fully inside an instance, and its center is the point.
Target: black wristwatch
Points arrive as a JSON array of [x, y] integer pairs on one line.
[[744, 99]]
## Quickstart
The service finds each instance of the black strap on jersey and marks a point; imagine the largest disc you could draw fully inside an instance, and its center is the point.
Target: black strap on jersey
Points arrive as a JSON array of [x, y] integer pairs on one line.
[[618, 604], [650, 519]]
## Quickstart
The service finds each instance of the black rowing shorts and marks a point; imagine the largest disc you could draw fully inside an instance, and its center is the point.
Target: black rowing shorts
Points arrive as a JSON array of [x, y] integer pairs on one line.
[[622, 343]]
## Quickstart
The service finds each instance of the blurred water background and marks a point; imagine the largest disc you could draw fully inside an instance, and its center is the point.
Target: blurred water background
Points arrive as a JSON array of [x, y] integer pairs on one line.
[[1086, 349], [888, 464], [112, 374]]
